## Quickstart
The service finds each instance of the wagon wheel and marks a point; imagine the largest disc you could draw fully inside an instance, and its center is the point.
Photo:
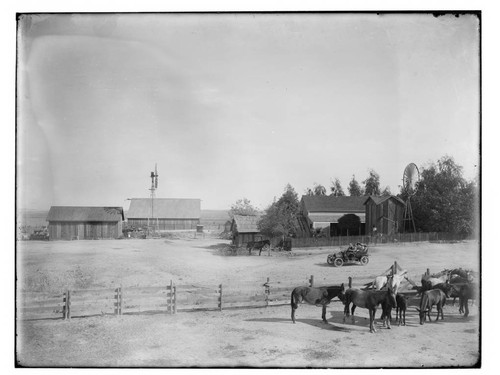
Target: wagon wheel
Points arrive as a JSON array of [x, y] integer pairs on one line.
[[330, 259], [364, 260], [338, 262]]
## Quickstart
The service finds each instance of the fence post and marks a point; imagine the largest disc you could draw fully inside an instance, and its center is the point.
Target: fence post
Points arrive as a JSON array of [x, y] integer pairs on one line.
[[311, 281], [170, 306], [428, 272], [67, 305], [267, 291], [220, 297], [118, 301], [175, 299], [350, 282]]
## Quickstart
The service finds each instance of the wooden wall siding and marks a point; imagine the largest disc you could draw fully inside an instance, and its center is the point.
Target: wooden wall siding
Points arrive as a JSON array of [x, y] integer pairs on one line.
[[384, 216], [84, 231], [166, 224]]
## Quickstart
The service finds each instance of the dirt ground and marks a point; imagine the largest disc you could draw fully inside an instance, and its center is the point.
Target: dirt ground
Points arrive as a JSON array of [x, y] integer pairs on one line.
[[252, 337]]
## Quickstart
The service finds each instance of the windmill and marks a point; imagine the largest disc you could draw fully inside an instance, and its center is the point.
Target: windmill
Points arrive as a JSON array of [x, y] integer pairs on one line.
[[411, 177], [154, 186]]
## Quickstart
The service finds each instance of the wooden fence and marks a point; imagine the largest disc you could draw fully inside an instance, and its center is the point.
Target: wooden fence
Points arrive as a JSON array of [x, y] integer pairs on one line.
[[381, 238], [159, 299]]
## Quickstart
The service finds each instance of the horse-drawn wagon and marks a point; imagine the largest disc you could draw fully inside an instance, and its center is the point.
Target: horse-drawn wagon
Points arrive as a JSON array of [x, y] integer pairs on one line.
[[354, 254]]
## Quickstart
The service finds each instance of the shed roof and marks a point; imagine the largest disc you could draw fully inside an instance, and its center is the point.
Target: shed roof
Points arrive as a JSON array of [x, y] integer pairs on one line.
[[325, 203], [378, 200], [164, 208], [79, 213], [245, 224]]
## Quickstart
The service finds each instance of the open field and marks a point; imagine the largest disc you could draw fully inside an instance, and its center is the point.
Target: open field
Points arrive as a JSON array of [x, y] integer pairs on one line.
[[257, 337]]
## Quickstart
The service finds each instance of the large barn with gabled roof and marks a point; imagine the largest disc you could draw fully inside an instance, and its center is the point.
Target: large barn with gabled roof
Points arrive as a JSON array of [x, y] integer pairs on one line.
[[164, 213], [84, 223], [337, 215]]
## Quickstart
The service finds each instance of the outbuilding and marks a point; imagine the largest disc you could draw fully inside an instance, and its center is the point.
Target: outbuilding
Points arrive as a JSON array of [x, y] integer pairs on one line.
[[244, 229], [338, 216], [164, 213], [384, 213], [84, 223]]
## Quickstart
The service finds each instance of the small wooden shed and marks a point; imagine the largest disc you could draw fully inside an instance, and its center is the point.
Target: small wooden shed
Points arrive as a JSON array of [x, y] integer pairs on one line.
[[385, 213], [84, 223], [244, 229]]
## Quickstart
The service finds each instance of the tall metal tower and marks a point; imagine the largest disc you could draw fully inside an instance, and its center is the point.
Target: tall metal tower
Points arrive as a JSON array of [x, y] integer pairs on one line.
[[411, 177], [154, 186]]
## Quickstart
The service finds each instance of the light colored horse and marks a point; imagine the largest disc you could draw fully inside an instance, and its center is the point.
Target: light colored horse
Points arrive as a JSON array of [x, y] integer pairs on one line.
[[393, 282]]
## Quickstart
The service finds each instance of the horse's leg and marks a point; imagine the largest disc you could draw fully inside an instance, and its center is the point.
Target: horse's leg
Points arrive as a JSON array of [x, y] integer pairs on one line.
[[346, 310], [466, 307], [372, 312], [323, 315], [294, 304], [352, 313]]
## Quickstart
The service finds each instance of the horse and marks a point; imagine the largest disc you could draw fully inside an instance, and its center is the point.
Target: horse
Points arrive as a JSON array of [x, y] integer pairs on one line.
[[401, 304], [429, 282], [369, 299], [259, 245], [466, 292], [430, 298], [320, 296], [394, 281]]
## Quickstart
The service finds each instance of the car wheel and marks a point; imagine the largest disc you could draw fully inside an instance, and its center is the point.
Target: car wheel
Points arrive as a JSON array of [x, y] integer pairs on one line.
[[364, 260], [338, 262], [330, 259]]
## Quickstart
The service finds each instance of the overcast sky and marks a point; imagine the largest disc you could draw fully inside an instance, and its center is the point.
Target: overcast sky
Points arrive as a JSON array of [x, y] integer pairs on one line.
[[238, 105]]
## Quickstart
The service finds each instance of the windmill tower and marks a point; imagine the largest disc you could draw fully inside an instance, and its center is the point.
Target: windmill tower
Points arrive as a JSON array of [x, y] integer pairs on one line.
[[154, 186], [411, 177]]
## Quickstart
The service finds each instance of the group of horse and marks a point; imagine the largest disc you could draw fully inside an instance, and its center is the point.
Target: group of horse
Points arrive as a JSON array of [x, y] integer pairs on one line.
[[383, 292]]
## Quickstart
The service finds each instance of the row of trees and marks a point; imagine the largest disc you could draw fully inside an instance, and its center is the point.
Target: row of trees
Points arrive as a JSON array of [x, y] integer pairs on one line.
[[371, 187], [444, 201]]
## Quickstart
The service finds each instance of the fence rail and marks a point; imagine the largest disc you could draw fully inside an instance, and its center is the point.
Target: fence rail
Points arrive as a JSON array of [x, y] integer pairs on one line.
[[158, 299]]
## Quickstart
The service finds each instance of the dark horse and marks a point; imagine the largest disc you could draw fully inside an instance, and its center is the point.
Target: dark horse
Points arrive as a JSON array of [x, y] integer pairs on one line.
[[316, 296], [430, 298], [370, 299], [259, 245]]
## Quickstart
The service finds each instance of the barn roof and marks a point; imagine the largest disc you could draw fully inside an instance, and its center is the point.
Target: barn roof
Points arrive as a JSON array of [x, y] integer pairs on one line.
[[245, 224], [325, 203], [164, 208], [79, 213], [378, 200]]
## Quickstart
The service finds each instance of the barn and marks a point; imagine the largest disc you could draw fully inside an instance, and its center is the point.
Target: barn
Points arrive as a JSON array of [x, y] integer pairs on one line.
[[84, 223], [164, 213], [244, 229], [337, 216], [385, 213]]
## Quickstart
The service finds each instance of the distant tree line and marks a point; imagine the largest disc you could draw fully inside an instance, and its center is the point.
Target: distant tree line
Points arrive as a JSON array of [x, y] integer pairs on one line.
[[444, 201]]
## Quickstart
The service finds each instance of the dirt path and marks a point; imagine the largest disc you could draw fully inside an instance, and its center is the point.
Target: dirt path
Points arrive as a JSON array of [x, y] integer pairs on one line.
[[258, 337]]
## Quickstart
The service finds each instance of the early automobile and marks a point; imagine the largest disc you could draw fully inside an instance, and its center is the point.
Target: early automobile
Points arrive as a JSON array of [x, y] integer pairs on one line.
[[357, 254]]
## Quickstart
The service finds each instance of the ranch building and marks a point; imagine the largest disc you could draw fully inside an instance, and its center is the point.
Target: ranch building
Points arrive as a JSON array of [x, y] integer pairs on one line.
[[385, 213], [244, 229], [84, 223], [335, 216], [164, 213]]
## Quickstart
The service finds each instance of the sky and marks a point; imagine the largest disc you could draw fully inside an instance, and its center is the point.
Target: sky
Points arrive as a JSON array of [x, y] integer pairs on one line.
[[233, 106]]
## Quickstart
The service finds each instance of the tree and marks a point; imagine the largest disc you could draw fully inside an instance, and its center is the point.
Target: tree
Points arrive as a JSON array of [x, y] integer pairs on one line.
[[354, 188], [242, 207], [372, 183], [336, 189], [280, 217], [318, 189], [444, 200], [386, 192]]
